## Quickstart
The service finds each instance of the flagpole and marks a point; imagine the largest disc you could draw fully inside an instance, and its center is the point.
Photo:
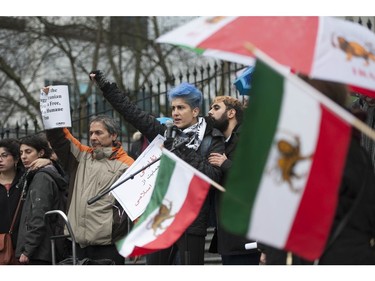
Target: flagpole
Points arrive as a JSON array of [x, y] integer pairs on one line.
[[100, 195], [334, 107]]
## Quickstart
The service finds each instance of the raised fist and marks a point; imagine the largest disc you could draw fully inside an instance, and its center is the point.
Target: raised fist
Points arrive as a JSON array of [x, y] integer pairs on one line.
[[98, 77]]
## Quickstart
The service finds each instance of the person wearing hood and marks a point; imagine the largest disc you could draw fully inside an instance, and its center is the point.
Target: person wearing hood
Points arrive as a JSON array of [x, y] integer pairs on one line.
[[42, 190]]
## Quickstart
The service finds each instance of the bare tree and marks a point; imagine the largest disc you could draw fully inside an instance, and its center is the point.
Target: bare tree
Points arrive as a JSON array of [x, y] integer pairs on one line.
[[39, 50]]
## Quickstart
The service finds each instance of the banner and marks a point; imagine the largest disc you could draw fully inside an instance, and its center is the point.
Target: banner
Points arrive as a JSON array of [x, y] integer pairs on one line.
[[55, 107], [134, 194]]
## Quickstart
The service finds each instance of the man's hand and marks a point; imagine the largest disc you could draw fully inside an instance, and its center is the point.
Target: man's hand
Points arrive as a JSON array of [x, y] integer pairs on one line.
[[263, 259], [217, 159], [24, 259], [39, 163], [46, 90]]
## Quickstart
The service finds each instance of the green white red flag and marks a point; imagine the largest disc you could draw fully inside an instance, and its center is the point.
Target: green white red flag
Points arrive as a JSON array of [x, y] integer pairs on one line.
[[282, 189], [326, 48], [177, 198]]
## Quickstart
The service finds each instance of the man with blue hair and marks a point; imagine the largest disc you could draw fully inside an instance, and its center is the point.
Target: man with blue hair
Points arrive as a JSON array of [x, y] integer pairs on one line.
[[195, 140]]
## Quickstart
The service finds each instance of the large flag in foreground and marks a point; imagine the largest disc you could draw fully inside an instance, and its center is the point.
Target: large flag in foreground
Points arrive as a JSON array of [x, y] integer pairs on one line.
[[179, 193], [326, 48], [283, 186]]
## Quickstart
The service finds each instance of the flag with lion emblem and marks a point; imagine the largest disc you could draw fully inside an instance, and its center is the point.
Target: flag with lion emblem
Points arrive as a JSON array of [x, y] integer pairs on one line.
[[177, 198], [282, 189]]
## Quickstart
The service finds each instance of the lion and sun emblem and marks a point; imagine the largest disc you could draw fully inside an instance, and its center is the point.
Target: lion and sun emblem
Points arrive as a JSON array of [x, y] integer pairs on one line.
[[285, 164]]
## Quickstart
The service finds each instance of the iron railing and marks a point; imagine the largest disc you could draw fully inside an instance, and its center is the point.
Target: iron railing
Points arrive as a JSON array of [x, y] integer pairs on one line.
[[213, 80]]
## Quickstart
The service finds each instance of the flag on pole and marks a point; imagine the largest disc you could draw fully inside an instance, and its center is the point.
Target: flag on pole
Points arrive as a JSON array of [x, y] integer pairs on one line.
[[177, 198], [283, 186], [243, 81], [327, 48]]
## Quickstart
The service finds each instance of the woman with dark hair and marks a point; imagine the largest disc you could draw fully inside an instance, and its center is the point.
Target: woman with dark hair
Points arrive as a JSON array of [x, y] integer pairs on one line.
[[44, 188], [10, 173]]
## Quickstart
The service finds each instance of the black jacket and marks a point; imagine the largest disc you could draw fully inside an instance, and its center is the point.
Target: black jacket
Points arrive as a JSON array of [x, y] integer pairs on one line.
[[150, 127], [228, 243], [355, 243], [8, 204], [43, 194]]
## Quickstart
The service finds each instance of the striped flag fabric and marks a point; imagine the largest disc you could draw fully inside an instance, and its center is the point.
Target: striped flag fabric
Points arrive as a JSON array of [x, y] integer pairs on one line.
[[283, 186], [327, 48], [177, 198]]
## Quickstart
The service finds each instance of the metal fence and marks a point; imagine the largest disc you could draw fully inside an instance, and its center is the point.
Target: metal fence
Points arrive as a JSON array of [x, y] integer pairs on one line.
[[212, 79]]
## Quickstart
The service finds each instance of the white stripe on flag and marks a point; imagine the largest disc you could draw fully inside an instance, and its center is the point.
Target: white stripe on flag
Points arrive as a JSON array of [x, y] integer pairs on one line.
[[300, 115], [202, 29], [177, 192]]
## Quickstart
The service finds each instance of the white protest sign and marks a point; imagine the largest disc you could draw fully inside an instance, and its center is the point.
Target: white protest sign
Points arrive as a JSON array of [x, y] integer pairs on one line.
[[55, 107], [134, 194]]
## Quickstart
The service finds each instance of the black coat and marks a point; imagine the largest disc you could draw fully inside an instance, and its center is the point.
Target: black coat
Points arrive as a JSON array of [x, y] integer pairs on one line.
[[228, 243], [355, 243], [150, 127], [8, 204], [43, 194]]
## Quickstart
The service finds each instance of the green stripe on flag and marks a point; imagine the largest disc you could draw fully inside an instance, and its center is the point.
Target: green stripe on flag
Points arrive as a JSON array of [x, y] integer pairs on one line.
[[199, 51], [257, 133], [163, 178]]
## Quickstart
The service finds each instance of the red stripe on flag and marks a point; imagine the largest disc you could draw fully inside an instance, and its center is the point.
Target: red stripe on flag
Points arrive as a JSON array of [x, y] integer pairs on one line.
[[198, 189], [276, 36], [314, 218], [362, 91]]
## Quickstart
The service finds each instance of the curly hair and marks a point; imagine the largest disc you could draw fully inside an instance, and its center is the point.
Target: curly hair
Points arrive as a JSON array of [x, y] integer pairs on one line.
[[12, 146], [232, 103]]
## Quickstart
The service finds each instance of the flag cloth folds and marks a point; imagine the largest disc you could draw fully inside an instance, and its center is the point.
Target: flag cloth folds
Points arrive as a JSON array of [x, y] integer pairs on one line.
[[177, 198], [327, 48], [282, 189]]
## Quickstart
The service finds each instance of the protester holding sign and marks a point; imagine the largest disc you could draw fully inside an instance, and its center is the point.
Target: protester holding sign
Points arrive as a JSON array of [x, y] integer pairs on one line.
[[92, 169]]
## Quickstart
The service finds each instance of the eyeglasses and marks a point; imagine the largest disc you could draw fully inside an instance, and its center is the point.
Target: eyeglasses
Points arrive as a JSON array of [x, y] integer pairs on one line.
[[4, 156]]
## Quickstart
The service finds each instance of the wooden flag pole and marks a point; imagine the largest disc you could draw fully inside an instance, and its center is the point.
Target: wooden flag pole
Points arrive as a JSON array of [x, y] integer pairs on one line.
[[330, 104]]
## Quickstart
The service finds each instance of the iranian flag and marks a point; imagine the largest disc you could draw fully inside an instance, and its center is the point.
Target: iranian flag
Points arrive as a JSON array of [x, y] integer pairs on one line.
[[177, 198], [283, 186], [327, 48]]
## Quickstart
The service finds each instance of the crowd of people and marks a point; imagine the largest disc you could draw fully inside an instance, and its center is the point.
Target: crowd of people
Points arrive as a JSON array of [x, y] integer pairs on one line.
[[54, 170]]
